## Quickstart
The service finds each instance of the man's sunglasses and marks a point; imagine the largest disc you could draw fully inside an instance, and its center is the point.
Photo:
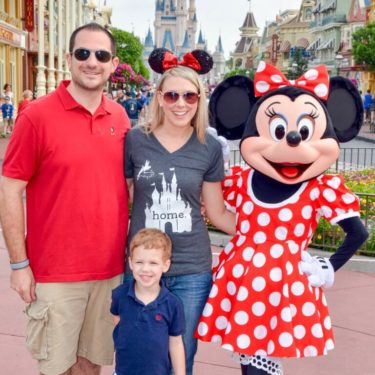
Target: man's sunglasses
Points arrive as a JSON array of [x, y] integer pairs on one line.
[[172, 97], [82, 54]]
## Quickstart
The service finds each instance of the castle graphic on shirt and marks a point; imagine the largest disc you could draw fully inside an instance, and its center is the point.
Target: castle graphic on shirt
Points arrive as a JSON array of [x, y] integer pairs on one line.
[[168, 207]]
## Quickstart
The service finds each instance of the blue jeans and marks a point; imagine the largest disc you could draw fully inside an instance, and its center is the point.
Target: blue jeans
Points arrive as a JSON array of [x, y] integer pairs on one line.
[[193, 291]]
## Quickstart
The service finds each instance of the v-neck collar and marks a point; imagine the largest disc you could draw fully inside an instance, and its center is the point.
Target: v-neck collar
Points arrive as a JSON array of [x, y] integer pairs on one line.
[[189, 140]]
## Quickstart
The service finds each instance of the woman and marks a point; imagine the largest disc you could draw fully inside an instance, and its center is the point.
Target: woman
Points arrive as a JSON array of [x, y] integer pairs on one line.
[[172, 163]]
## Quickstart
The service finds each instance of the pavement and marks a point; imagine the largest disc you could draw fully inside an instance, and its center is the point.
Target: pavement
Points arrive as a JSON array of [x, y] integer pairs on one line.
[[352, 309]]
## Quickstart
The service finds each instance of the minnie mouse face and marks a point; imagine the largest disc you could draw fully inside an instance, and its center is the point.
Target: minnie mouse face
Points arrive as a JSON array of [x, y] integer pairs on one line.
[[289, 145]]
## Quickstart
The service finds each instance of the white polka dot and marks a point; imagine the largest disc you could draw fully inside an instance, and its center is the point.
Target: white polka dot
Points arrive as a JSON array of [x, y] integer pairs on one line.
[[308, 309], [297, 288], [317, 330], [307, 212], [241, 240], [238, 200], [299, 230], [293, 247], [215, 262], [228, 248], [231, 288], [281, 233], [289, 268], [298, 353], [327, 323], [247, 208], [326, 211], [293, 310], [260, 237], [228, 329], [227, 347], [285, 339], [314, 194], [285, 214], [221, 322], [248, 253], [317, 293], [348, 198], [239, 182], [238, 270], [242, 294], [334, 182], [273, 322], [245, 226], [202, 329], [243, 341], [264, 219], [330, 344], [276, 274], [216, 339], [292, 82], [275, 298], [301, 83], [228, 183], [339, 211], [258, 284], [261, 66], [329, 194], [260, 332], [299, 332], [220, 273], [261, 353], [241, 318], [276, 78], [276, 251], [258, 308], [321, 90], [286, 290], [286, 314], [225, 304], [310, 351], [259, 260], [230, 196], [270, 347], [207, 311], [324, 300], [262, 86], [214, 291], [311, 74]]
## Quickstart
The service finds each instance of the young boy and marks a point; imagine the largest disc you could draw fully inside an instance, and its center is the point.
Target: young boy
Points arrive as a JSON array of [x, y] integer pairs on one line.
[[149, 318], [7, 109], [27, 96]]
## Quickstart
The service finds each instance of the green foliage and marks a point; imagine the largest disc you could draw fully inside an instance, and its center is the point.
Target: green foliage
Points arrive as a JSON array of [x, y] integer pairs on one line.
[[130, 51], [298, 65], [363, 41], [240, 72]]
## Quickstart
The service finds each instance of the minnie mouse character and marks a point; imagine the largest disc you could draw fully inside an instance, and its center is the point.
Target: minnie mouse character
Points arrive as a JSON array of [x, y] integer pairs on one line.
[[267, 299]]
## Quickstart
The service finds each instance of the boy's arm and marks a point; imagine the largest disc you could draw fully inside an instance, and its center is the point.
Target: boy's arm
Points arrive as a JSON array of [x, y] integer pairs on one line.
[[177, 353]]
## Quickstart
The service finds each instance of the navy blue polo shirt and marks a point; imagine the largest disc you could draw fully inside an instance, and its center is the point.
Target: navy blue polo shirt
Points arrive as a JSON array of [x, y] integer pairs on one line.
[[142, 336]]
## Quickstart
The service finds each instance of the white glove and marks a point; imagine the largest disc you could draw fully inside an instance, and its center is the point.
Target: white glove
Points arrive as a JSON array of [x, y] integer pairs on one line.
[[223, 142], [319, 270]]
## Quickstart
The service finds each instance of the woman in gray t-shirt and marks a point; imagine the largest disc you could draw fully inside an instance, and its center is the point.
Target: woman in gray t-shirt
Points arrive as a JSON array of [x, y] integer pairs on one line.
[[172, 163]]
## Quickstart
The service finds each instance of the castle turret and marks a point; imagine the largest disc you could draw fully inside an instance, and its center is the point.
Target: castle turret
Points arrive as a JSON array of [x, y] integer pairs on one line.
[[219, 62], [201, 43]]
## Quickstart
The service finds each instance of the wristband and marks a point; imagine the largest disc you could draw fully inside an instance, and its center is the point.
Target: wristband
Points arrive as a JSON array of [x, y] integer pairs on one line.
[[19, 265]]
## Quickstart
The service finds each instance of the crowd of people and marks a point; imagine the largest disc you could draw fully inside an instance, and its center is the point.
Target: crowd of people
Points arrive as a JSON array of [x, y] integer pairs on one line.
[[90, 285]]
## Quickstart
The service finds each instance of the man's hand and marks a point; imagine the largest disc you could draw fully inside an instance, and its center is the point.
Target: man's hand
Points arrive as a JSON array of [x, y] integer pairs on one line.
[[23, 282], [319, 270]]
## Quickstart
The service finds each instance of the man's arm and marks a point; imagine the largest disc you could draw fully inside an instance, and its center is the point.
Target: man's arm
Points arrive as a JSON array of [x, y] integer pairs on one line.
[[177, 353], [12, 218]]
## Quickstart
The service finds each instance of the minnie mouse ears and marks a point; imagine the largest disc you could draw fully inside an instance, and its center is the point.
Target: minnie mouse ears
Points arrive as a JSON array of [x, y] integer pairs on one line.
[[162, 59]]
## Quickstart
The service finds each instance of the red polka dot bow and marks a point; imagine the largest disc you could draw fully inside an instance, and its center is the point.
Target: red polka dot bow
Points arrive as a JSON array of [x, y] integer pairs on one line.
[[268, 78]]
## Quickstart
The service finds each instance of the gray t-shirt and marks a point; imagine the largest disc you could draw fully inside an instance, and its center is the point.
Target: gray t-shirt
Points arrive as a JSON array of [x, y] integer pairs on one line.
[[167, 191]]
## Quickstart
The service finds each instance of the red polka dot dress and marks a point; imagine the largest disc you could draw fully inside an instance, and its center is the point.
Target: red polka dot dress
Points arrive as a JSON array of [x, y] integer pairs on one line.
[[260, 303]]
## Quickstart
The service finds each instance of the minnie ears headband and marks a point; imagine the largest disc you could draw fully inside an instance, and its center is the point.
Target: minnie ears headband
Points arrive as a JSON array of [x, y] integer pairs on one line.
[[268, 78], [162, 59]]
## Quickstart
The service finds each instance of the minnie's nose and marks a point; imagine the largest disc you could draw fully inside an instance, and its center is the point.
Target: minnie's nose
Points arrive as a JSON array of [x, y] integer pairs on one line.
[[293, 138]]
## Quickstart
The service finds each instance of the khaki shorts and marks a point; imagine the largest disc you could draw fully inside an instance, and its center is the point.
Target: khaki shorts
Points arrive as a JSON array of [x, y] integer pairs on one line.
[[69, 320]]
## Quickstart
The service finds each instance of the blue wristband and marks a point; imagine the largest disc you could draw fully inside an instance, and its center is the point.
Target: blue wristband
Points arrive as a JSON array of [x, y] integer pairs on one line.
[[19, 265]]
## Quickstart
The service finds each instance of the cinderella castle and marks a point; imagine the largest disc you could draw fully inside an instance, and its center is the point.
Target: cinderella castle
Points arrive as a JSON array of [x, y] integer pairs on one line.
[[175, 28]]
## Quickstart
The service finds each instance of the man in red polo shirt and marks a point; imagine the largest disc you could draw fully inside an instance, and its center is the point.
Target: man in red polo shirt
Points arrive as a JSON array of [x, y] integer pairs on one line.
[[67, 152]]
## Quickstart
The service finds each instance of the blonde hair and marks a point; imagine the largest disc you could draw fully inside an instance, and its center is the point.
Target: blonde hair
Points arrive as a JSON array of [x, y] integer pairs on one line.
[[155, 115], [152, 238]]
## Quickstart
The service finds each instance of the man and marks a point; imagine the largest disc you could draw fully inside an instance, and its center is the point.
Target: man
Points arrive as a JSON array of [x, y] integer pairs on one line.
[[67, 152], [132, 107], [120, 97]]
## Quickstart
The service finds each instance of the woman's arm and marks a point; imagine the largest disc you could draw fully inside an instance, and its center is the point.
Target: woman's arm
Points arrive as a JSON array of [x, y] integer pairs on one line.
[[219, 216], [129, 182], [177, 353]]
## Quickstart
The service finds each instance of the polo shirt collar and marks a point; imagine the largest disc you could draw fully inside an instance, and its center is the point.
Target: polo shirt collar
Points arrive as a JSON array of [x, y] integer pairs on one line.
[[70, 103], [159, 299]]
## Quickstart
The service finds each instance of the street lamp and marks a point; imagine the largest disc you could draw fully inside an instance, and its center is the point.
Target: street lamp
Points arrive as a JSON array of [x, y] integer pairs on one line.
[[338, 59]]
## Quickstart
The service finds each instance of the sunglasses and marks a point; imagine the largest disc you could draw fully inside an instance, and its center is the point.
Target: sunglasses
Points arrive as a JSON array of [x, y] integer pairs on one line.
[[82, 54], [172, 97]]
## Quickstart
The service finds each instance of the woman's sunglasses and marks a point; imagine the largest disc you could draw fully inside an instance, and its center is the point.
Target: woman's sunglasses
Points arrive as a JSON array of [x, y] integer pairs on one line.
[[172, 97], [82, 54]]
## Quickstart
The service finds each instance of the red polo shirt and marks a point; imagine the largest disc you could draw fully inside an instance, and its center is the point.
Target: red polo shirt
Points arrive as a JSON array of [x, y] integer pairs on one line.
[[76, 200]]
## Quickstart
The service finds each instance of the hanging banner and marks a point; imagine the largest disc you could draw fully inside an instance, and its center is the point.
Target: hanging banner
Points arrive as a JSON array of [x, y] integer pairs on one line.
[[29, 15]]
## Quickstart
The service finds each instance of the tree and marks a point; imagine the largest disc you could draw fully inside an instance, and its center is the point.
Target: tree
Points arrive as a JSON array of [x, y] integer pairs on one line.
[[298, 64], [363, 41], [130, 51], [240, 72]]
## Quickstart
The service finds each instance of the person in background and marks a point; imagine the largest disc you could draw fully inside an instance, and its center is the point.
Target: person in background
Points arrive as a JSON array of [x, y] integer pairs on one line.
[[172, 162], [120, 97], [132, 107], [27, 96], [8, 92], [7, 110], [70, 165], [366, 105], [149, 318]]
